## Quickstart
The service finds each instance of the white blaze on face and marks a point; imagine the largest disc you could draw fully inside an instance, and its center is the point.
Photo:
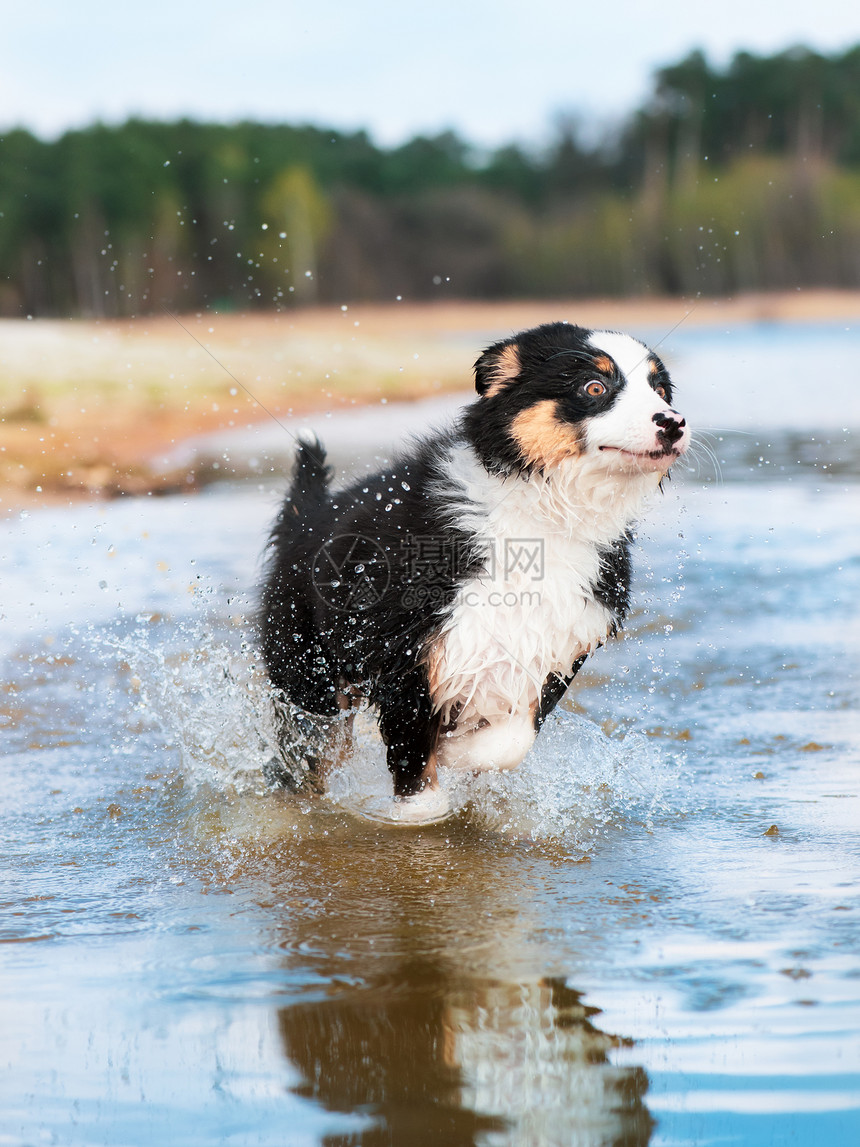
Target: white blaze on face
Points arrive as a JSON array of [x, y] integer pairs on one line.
[[628, 427]]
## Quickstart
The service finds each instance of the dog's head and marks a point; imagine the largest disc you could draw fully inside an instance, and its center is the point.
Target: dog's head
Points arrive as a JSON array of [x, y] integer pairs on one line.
[[559, 392]]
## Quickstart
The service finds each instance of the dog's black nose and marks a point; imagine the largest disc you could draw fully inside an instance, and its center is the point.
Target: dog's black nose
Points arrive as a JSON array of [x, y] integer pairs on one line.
[[671, 426]]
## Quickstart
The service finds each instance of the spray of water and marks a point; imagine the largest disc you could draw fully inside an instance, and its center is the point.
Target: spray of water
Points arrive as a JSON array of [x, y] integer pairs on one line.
[[201, 684]]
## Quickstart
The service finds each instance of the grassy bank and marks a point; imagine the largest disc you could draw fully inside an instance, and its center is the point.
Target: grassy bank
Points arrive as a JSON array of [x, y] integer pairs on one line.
[[86, 406]]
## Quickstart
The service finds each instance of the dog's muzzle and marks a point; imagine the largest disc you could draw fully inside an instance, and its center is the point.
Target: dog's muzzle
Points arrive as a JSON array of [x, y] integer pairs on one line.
[[670, 428]]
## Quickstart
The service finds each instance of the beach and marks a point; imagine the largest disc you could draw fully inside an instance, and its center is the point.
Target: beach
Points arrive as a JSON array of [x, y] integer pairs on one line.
[[86, 406]]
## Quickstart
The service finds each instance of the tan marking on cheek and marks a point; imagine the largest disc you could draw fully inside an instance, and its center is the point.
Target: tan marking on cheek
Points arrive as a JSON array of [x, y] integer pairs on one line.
[[603, 364], [543, 439], [505, 370]]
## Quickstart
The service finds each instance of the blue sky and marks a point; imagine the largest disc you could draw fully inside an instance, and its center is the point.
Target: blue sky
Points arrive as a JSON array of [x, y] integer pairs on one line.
[[494, 70]]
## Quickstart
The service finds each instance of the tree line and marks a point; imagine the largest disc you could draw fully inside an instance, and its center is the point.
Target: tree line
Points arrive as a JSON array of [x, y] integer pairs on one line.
[[745, 177]]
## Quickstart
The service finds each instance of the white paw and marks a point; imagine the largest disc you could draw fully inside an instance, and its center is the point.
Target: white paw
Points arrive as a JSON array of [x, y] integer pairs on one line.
[[492, 747], [427, 807]]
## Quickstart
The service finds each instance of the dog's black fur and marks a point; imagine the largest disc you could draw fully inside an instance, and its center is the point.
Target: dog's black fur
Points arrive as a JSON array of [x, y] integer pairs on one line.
[[319, 637]]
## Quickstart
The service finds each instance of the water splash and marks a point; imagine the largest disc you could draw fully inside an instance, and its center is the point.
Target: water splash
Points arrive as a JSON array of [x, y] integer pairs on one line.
[[204, 689], [576, 783]]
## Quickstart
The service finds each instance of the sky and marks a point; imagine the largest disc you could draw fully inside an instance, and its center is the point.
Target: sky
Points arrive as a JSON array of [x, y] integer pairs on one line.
[[495, 71]]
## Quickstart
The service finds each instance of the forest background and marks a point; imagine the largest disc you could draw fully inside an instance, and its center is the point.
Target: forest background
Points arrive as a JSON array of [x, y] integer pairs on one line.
[[727, 180]]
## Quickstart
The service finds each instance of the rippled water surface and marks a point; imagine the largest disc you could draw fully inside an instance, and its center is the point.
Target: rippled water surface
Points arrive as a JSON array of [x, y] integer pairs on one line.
[[650, 933]]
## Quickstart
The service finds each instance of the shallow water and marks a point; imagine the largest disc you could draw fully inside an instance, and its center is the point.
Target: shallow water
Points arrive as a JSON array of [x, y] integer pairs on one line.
[[608, 946]]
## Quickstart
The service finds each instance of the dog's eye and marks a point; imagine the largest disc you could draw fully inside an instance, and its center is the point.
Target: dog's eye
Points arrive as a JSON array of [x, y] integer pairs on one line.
[[595, 389], [661, 390]]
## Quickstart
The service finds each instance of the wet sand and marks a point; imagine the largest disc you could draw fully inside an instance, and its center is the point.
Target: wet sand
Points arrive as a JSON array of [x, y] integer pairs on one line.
[[87, 405]]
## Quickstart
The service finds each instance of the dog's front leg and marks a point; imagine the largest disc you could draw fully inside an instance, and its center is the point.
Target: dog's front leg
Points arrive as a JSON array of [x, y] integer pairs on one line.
[[554, 688], [410, 729]]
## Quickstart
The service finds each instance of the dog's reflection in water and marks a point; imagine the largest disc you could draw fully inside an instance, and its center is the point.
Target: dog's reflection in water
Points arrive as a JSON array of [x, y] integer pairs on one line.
[[431, 1060]]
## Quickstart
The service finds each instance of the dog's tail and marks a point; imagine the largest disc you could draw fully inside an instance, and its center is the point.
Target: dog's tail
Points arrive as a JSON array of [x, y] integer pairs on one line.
[[311, 475]]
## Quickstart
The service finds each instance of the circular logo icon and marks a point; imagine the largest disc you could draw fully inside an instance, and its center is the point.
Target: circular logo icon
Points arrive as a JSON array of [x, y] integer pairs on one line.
[[350, 572]]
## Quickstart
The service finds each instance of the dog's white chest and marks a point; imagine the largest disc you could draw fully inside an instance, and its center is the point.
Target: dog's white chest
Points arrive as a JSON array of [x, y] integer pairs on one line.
[[533, 610], [531, 614]]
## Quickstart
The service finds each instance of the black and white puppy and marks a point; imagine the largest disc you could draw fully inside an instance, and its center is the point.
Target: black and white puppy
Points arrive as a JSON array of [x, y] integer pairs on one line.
[[460, 590]]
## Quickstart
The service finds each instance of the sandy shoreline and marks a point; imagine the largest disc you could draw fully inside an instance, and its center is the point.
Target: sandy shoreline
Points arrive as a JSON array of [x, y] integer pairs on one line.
[[87, 405]]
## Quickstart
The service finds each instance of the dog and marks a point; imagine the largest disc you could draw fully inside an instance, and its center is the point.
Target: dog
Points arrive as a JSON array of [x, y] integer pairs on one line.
[[459, 591]]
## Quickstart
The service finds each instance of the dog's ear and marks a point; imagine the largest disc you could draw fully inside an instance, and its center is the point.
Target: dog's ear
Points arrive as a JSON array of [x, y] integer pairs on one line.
[[497, 366]]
